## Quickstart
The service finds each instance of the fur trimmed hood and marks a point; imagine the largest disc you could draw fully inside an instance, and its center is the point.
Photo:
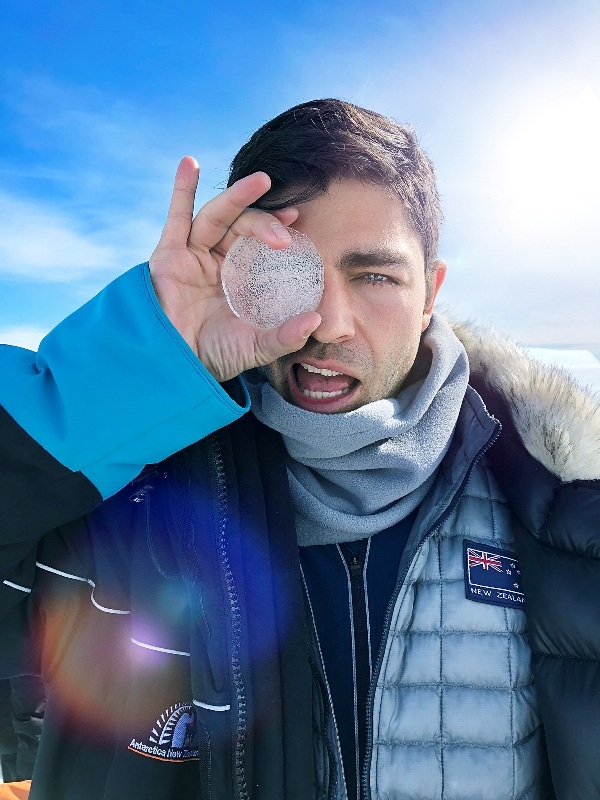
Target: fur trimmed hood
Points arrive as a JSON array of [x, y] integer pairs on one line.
[[557, 419]]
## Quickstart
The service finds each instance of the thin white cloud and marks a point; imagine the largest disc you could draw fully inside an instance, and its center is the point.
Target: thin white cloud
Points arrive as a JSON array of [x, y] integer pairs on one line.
[[27, 336], [39, 243], [112, 154], [92, 200]]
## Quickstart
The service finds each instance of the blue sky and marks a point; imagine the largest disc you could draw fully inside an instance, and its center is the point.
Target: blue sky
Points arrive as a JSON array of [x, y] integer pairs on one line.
[[99, 100]]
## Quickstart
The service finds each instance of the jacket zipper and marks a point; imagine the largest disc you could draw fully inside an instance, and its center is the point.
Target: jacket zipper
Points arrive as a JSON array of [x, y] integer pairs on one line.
[[327, 709], [218, 471], [355, 564], [366, 789]]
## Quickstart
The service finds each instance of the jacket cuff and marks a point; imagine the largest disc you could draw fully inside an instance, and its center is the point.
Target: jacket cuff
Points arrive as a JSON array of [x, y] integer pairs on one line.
[[115, 387]]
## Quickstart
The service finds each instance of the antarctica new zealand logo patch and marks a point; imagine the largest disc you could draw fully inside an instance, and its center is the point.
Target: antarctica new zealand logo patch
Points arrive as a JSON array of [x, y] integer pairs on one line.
[[174, 736]]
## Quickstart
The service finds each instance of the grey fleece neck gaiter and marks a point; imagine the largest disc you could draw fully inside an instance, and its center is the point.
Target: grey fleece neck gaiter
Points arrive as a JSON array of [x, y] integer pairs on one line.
[[354, 474]]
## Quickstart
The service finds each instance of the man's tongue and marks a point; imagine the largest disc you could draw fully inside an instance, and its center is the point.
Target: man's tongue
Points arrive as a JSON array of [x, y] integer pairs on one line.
[[315, 382]]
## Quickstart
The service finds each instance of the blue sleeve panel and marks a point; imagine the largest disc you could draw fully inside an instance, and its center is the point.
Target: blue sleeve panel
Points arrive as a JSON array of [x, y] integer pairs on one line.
[[114, 387]]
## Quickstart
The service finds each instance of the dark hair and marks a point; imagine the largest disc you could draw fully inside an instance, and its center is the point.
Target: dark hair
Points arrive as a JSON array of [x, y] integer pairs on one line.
[[312, 144]]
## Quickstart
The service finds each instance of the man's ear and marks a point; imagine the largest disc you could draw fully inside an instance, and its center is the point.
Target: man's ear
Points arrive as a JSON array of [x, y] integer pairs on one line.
[[435, 278]]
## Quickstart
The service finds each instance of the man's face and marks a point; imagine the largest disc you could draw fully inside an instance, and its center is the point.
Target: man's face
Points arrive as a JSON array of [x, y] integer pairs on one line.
[[374, 305]]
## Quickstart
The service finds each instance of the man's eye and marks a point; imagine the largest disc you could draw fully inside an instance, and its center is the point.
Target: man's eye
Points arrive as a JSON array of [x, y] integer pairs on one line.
[[376, 278]]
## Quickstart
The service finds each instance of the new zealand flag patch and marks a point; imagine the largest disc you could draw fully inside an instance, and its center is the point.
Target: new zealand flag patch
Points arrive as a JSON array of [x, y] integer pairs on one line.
[[492, 575]]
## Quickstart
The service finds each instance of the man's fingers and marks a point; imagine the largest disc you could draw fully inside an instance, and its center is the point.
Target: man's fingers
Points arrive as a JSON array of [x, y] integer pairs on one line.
[[261, 225], [215, 218], [287, 338], [181, 210], [287, 216], [269, 227]]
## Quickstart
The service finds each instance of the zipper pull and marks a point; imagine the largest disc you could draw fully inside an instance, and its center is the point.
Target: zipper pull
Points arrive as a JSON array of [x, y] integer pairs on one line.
[[140, 495]]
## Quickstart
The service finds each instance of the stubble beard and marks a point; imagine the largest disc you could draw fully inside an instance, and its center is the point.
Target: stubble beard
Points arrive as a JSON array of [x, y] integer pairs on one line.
[[277, 372]]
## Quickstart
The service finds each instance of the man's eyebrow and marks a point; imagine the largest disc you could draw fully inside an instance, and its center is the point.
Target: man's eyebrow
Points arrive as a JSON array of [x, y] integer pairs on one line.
[[377, 257]]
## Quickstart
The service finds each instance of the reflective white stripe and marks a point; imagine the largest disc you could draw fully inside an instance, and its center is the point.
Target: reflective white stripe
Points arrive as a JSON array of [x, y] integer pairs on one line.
[[160, 649], [16, 586], [211, 708], [107, 610], [63, 574], [83, 580]]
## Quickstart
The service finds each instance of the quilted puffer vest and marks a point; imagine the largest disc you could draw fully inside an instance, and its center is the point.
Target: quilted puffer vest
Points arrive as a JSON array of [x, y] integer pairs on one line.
[[455, 714], [454, 710]]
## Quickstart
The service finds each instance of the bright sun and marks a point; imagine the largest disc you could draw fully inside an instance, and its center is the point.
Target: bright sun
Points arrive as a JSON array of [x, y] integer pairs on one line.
[[551, 165]]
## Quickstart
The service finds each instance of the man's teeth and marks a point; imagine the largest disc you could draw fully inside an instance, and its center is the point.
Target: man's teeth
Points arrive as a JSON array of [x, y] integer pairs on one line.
[[328, 372], [321, 395]]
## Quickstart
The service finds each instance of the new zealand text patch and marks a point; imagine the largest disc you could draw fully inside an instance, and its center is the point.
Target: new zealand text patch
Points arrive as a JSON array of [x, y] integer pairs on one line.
[[492, 575]]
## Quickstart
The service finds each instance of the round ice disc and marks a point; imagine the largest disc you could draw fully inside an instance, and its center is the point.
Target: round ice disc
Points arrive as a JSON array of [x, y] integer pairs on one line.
[[265, 286]]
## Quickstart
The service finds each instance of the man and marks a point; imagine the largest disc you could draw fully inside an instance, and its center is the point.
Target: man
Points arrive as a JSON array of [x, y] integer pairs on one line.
[[373, 585]]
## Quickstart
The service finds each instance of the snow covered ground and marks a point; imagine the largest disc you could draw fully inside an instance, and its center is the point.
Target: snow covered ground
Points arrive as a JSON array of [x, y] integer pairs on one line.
[[582, 364]]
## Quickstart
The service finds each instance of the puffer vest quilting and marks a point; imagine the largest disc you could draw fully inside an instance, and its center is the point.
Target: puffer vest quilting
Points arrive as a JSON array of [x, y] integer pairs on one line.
[[455, 715], [454, 709]]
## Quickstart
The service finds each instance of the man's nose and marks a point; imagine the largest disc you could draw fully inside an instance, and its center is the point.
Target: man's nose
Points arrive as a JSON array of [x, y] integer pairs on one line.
[[337, 319]]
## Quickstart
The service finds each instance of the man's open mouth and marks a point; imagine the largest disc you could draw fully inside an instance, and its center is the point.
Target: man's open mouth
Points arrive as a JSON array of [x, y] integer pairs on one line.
[[322, 384]]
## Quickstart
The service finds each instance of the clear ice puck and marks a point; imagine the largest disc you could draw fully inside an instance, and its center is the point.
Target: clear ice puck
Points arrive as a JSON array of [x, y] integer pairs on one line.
[[265, 286]]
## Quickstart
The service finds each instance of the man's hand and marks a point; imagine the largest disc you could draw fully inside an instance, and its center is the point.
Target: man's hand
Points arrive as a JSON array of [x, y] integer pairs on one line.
[[186, 274]]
